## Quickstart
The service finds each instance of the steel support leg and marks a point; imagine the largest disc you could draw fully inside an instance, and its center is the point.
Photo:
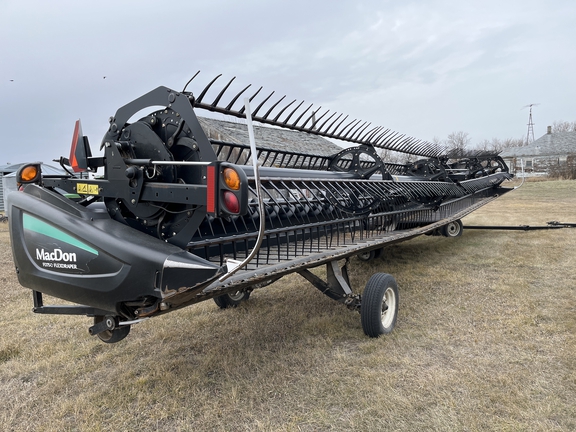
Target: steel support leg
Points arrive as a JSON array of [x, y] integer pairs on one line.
[[337, 284]]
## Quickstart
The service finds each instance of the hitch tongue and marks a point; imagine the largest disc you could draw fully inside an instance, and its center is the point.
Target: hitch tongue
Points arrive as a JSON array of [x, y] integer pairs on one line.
[[108, 323]]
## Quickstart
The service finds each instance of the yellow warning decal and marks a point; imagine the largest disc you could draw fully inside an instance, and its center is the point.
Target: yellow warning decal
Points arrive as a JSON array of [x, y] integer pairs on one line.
[[86, 189]]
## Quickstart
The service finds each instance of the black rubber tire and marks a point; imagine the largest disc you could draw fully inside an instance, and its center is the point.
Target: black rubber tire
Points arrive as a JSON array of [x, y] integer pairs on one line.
[[231, 300], [452, 229], [112, 336], [379, 307], [367, 255]]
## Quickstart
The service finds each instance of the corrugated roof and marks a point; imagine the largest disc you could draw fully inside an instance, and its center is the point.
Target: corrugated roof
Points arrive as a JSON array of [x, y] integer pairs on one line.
[[5, 169], [46, 169], [553, 144], [269, 137]]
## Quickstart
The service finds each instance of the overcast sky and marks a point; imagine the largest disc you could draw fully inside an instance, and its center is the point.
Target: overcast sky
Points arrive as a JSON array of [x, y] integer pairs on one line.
[[423, 68]]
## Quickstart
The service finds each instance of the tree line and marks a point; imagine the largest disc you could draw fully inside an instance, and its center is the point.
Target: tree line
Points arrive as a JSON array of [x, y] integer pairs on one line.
[[459, 144], [563, 126]]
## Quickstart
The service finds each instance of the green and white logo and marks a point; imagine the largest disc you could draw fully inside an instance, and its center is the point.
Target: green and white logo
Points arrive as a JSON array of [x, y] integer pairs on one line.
[[36, 225]]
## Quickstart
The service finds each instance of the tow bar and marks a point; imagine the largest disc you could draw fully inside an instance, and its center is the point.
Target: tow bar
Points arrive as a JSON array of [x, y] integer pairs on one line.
[[550, 225]]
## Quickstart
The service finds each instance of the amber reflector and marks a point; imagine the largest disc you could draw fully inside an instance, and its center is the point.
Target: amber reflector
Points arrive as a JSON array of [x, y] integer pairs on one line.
[[29, 173], [231, 178]]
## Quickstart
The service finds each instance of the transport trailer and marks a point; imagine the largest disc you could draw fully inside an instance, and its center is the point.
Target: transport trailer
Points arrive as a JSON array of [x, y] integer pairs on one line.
[[177, 218]]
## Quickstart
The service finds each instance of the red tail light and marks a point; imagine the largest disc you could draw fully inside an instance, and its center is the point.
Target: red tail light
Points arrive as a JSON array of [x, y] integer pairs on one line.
[[231, 202], [226, 190]]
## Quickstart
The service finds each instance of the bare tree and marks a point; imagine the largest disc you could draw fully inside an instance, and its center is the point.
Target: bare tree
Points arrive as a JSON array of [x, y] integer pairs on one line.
[[496, 145], [563, 126], [485, 145], [395, 157], [512, 142], [439, 144], [391, 156], [456, 144]]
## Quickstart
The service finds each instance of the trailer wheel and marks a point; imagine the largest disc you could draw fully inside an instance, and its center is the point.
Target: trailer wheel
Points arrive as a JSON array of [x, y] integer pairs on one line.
[[452, 229], [370, 255], [379, 307], [231, 300], [367, 255], [112, 336]]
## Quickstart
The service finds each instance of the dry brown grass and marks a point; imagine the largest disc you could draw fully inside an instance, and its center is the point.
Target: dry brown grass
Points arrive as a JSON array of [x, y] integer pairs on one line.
[[485, 340]]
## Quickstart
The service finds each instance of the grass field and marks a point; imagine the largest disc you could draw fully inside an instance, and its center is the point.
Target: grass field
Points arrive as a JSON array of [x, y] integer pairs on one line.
[[485, 340]]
